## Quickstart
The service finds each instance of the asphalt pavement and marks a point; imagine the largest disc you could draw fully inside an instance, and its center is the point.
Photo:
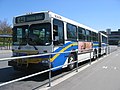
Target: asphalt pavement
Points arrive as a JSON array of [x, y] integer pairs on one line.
[[103, 75]]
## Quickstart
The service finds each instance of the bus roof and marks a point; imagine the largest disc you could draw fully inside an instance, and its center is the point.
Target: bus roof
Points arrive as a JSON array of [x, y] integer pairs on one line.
[[54, 15], [70, 21], [103, 34]]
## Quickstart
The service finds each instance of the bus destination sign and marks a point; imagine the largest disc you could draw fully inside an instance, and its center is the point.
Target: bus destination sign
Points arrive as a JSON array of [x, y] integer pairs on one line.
[[29, 18]]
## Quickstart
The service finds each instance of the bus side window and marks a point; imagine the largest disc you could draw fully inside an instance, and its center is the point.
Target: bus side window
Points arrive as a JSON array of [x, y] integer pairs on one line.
[[71, 32], [88, 35], [81, 34]]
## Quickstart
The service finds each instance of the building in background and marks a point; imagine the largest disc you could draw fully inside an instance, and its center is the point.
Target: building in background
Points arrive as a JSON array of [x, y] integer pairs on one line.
[[113, 36], [108, 31]]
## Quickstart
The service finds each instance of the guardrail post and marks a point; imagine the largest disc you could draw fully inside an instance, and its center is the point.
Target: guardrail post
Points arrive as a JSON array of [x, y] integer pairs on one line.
[[49, 72], [90, 57], [108, 50], [77, 62]]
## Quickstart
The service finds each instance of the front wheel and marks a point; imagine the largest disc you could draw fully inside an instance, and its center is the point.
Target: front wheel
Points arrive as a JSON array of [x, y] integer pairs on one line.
[[70, 60]]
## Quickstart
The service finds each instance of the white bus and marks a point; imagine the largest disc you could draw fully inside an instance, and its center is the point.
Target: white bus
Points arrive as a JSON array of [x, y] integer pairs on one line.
[[47, 32]]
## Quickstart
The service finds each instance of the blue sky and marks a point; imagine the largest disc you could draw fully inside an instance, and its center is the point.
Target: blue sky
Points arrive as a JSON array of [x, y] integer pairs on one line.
[[97, 14]]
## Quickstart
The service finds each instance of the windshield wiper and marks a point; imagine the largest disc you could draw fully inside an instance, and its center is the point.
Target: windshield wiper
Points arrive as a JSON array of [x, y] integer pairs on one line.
[[32, 42]]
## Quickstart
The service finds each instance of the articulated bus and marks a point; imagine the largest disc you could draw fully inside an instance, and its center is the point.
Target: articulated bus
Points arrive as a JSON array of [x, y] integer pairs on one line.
[[47, 32]]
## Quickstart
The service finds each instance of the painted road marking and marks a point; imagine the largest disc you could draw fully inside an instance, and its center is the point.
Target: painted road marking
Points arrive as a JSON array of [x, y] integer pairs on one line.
[[112, 67], [104, 67], [115, 68], [116, 54]]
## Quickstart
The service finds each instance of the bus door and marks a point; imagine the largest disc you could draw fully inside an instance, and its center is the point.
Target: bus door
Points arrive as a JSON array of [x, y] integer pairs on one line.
[[58, 33], [58, 42]]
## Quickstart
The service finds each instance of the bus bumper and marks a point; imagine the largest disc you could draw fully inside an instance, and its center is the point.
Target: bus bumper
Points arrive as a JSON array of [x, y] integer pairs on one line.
[[30, 66]]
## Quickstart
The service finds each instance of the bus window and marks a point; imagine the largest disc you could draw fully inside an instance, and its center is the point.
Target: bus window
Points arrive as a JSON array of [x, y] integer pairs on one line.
[[81, 34], [104, 39], [94, 37], [88, 35], [19, 35], [71, 32], [39, 34], [58, 32]]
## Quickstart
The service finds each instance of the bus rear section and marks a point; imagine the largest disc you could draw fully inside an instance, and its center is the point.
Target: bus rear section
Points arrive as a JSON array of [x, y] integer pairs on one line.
[[103, 43]]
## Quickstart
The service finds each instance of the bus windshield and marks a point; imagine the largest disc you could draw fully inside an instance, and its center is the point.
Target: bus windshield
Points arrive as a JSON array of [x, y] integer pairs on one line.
[[36, 34], [40, 34], [19, 35]]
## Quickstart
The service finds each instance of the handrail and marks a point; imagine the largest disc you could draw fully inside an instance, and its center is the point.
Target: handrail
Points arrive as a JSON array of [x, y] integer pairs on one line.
[[48, 70], [31, 56]]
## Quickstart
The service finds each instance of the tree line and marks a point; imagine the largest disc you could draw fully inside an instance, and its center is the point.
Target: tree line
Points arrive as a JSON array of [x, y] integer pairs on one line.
[[5, 28]]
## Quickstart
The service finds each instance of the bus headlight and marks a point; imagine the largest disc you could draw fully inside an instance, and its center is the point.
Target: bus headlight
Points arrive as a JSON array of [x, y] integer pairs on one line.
[[45, 61]]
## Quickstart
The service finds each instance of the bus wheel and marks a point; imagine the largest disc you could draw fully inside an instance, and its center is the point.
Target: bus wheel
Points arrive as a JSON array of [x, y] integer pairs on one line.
[[105, 51], [95, 55], [70, 60]]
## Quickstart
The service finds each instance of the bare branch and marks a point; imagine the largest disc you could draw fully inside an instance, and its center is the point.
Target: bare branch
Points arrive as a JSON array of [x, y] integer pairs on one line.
[[5, 27]]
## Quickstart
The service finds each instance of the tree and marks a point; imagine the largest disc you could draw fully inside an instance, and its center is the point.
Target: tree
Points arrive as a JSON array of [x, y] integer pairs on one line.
[[5, 28]]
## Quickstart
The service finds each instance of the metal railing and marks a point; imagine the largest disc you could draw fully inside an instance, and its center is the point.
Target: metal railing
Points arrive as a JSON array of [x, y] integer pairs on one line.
[[50, 68]]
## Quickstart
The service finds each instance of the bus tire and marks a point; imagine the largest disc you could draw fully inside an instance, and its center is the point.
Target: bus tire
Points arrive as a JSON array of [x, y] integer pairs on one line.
[[95, 54], [70, 60], [105, 51], [17, 68]]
